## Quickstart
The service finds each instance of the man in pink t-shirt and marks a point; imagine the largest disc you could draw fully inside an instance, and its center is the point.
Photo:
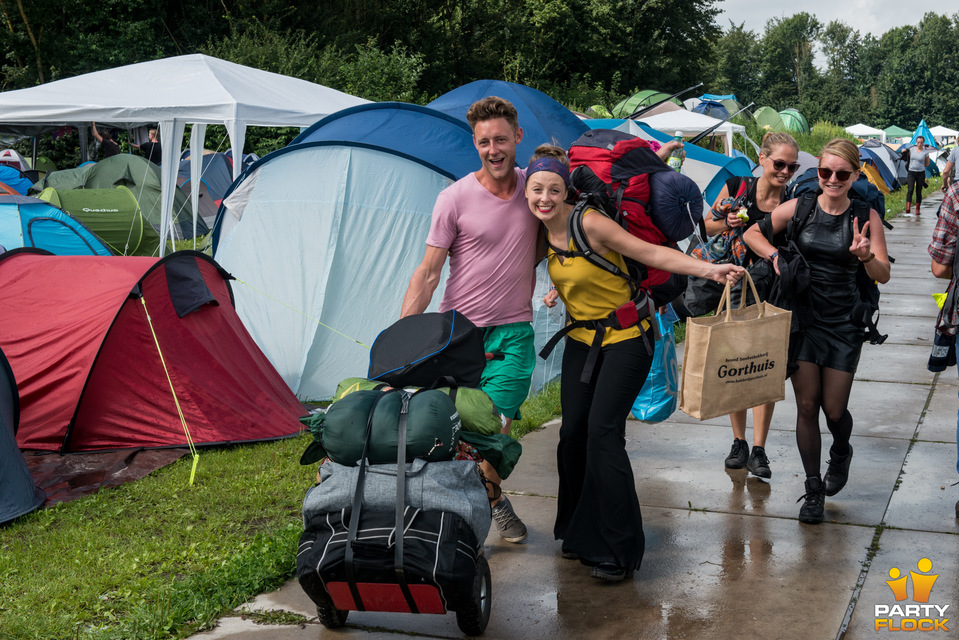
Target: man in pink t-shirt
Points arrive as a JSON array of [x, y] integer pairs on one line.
[[482, 222]]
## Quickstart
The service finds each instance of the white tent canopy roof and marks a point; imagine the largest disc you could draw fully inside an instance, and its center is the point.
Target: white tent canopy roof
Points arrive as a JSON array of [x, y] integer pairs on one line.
[[865, 131], [690, 124], [175, 91], [943, 132]]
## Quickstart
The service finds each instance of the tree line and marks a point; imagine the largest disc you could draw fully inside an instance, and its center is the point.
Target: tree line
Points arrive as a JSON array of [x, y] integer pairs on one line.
[[581, 52]]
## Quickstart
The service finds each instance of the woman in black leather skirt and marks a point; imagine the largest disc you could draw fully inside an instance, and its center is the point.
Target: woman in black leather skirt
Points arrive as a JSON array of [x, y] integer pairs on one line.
[[835, 247]]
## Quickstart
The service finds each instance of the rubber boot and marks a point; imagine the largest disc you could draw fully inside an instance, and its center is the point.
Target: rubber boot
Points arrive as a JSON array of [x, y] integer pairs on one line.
[[917, 208], [908, 207]]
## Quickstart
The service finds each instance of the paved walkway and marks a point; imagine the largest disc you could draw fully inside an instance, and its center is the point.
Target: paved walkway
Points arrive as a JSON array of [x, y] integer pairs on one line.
[[726, 556]]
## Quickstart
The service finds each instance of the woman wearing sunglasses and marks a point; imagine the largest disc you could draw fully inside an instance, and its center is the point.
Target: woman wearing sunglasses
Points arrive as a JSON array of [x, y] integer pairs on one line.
[[834, 246], [777, 157]]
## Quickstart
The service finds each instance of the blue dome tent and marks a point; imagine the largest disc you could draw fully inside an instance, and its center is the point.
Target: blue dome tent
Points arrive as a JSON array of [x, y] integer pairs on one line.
[[19, 494], [31, 222], [541, 118], [328, 230]]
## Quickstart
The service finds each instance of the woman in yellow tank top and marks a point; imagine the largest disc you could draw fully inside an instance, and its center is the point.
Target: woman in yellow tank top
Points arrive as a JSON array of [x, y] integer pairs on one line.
[[598, 516]]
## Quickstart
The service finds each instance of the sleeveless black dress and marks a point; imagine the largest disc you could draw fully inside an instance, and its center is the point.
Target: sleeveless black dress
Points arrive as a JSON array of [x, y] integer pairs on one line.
[[832, 341]]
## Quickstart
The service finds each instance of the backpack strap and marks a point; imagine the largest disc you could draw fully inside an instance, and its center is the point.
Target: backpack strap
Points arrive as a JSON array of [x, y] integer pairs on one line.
[[804, 208], [577, 234]]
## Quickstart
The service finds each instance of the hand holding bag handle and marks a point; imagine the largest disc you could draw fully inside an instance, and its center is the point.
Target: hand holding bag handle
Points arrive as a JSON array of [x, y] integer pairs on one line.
[[726, 303]]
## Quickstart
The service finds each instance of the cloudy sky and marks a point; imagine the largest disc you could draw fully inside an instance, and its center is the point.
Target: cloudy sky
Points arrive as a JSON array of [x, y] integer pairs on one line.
[[867, 16]]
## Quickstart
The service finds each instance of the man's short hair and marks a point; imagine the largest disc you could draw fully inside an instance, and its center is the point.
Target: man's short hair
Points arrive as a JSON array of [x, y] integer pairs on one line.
[[491, 108]]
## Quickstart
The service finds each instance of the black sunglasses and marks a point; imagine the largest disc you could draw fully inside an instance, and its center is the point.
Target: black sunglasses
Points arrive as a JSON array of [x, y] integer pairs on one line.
[[841, 176], [779, 165]]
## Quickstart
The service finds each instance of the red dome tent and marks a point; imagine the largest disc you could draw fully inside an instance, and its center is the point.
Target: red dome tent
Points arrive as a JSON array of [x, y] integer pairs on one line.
[[79, 335]]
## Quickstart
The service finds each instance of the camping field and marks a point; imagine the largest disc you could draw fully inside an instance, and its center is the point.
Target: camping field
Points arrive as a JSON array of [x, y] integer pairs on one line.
[[159, 558]]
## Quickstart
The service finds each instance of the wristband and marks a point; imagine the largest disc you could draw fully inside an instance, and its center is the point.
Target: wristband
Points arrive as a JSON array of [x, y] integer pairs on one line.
[[772, 256], [871, 256]]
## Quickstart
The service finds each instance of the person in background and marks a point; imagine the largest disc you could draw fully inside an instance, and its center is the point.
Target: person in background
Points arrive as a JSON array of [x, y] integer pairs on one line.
[[942, 249], [947, 172], [598, 515], [918, 161], [835, 247], [151, 149], [107, 143], [778, 157], [483, 225]]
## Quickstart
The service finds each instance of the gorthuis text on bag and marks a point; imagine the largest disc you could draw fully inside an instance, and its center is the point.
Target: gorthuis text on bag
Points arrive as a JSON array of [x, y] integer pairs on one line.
[[745, 370]]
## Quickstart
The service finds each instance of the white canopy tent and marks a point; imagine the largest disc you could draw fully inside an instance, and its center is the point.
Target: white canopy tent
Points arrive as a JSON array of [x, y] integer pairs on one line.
[[691, 124], [943, 133], [194, 89], [865, 131]]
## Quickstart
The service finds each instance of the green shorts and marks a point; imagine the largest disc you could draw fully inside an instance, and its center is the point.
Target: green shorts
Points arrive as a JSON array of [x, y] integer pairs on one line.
[[507, 381]]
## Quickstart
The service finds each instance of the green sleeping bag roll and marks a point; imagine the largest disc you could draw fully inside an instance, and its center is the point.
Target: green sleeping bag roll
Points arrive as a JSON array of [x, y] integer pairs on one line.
[[477, 410], [432, 429]]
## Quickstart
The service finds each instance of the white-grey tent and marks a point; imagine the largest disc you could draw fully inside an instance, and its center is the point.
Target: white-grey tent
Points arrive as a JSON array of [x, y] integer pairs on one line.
[[173, 92]]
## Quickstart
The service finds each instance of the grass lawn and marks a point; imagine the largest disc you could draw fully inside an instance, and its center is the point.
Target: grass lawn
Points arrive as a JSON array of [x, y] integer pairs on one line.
[[158, 558]]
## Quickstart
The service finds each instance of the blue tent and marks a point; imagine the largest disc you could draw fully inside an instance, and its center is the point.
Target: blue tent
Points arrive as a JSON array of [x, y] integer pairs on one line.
[[216, 177], [14, 178], [541, 118], [718, 98], [921, 130], [867, 155], [325, 234], [31, 222], [712, 108], [19, 495]]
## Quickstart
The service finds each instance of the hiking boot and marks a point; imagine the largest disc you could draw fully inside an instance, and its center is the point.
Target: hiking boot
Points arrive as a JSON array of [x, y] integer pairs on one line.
[[610, 572], [812, 509], [758, 463], [510, 527], [738, 454], [837, 473]]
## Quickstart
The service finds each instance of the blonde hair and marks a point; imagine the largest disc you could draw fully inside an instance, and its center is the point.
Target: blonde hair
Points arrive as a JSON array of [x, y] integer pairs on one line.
[[490, 108], [774, 140], [845, 149], [550, 151]]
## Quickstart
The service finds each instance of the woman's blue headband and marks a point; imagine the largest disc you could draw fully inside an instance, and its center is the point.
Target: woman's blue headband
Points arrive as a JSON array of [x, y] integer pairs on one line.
[[549, 164]]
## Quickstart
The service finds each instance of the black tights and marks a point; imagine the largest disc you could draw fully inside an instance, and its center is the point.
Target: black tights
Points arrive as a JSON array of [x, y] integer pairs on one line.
[[827, 389], [915, 181]]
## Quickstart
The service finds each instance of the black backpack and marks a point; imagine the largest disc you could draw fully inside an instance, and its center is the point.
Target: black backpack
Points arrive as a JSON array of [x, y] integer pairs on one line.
[[866, 312], [861, 189]]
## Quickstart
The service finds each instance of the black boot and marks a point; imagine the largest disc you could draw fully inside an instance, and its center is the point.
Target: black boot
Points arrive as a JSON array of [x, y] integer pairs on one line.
[[837, 473], [815, 501]]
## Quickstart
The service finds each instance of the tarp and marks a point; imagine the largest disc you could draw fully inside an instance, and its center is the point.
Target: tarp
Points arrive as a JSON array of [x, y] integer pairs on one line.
[[325, 234], [84, 336], [30, 222], [18, 492], [542, 118], [865, 131], [690, 124], [794, 121], [173, 92]]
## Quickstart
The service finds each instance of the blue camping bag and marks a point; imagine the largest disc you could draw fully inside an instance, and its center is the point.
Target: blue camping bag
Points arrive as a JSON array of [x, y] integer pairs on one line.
[[658, 398]]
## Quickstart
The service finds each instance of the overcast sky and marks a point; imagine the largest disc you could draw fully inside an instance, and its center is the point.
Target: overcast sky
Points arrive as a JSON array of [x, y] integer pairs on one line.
[[866, 16]]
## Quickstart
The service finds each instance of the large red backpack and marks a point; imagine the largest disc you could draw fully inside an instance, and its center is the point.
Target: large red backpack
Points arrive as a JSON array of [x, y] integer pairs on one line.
[[619, 174]]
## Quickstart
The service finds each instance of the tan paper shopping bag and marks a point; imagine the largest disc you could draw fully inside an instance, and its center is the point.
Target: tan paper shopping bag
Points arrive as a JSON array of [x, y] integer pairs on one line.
[[736, 359]]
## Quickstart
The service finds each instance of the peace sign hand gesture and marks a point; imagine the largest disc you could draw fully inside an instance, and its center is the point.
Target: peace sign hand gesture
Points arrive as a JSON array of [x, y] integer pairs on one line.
[[861, 247]]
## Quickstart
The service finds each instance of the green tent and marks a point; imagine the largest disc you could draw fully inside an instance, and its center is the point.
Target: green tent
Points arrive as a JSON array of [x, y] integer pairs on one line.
[[732, 106], [893, 131], [794, 121], [137, 173], [113, 214], [635, 102], [769, 119]]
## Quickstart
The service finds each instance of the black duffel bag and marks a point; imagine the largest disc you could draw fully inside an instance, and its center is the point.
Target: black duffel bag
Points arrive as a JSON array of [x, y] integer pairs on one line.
[[420, 349]]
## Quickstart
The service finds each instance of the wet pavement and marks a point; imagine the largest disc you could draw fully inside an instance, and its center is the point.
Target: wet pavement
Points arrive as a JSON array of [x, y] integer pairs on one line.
[[725, 554]]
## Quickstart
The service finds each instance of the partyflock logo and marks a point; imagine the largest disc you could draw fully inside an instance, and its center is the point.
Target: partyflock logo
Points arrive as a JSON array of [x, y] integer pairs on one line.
[[918, 616]]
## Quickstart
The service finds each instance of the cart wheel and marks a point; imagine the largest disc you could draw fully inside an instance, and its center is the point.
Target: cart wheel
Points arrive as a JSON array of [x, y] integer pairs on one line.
[[331, 617], [473, 619]]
